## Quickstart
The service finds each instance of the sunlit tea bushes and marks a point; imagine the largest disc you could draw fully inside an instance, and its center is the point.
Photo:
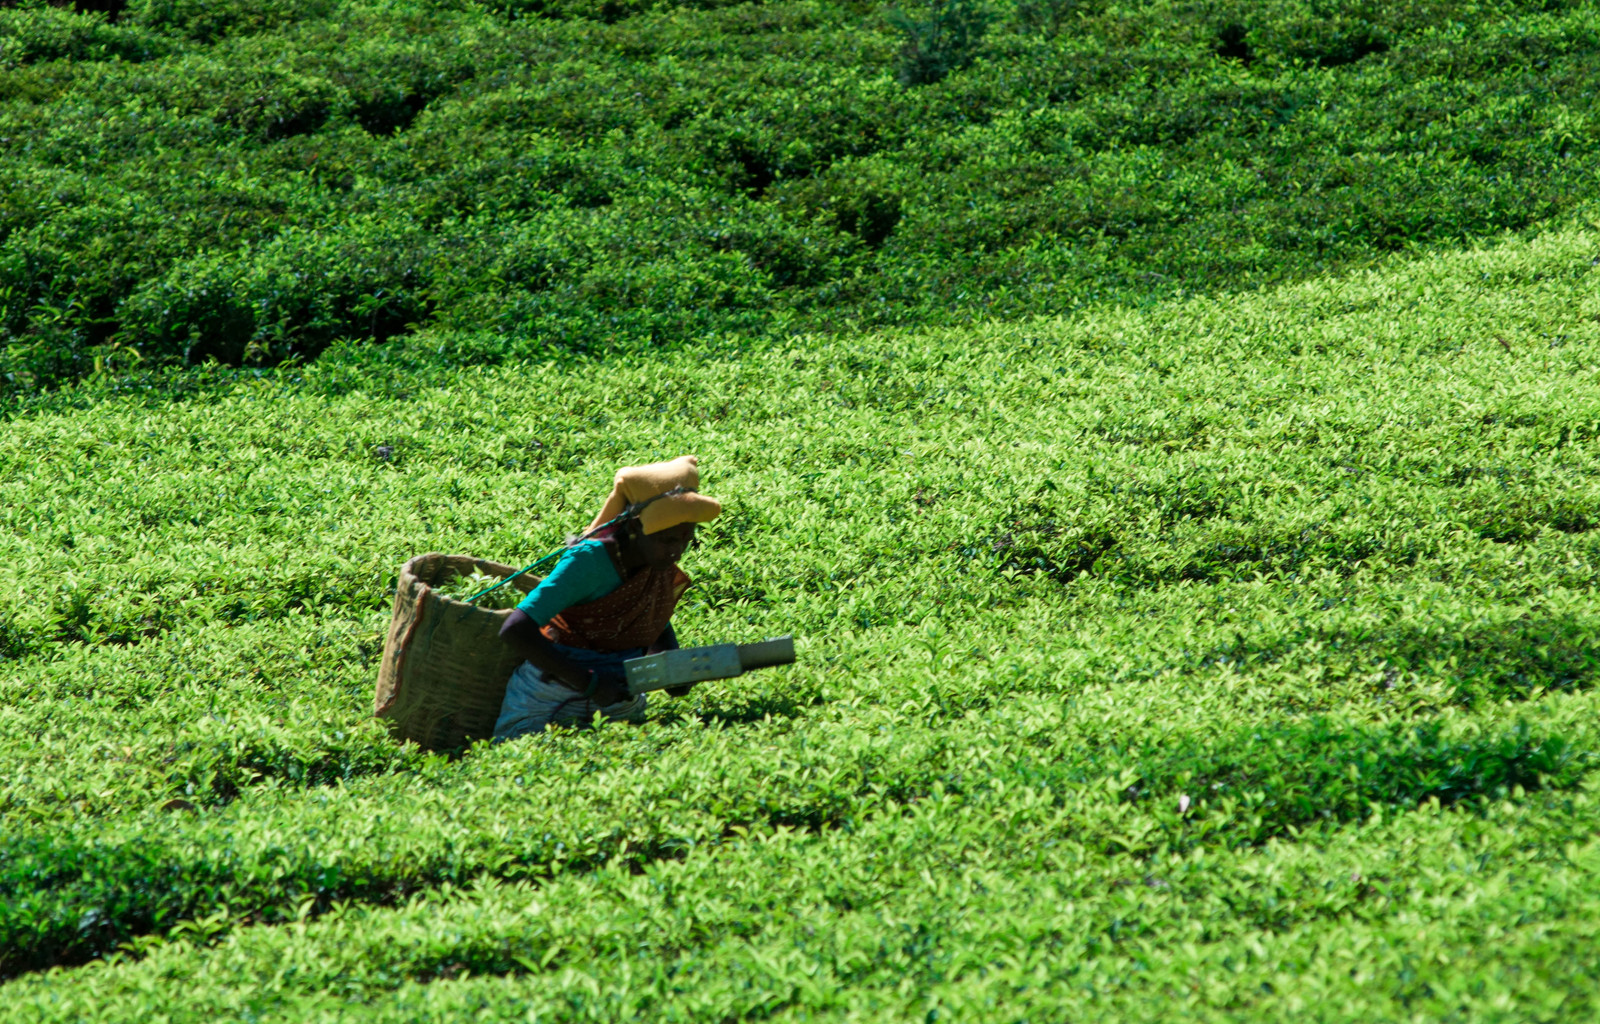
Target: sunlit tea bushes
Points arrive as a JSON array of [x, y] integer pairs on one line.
[[1232, 654], [71, 896], [467, 586]]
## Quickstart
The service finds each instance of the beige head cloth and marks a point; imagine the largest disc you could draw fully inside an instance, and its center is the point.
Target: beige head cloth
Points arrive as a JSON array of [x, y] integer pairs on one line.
[[639, 483]]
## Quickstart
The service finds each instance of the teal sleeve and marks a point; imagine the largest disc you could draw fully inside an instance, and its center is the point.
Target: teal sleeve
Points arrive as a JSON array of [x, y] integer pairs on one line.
[[584, 573]]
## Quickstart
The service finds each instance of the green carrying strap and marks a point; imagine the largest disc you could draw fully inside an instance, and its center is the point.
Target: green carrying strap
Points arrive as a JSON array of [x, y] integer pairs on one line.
[[531, 565], [631, 510]]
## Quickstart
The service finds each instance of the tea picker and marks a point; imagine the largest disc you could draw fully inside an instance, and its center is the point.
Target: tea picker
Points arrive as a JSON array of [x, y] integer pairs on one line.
[[596, 634]]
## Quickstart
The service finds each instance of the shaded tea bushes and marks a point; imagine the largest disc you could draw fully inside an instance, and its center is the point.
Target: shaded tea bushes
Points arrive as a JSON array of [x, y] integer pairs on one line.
[[37, 34], [306, 287], [253, 182]]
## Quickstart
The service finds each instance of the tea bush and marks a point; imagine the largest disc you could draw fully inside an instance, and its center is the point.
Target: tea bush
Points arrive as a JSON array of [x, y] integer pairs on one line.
[[465, 587], [207, 21], [1233, 654], [591, 177], [35, 33], [942, 37], [294, 294]]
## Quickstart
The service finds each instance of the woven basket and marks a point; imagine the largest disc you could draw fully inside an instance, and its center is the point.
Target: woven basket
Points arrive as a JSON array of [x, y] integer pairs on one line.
[[445, 668]]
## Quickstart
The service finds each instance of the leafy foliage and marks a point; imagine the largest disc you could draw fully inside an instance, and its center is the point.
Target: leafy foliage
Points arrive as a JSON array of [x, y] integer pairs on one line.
[[207, 21], [1184, 649], [253, 182], [942, 38], [465, 587], [1223, 650]]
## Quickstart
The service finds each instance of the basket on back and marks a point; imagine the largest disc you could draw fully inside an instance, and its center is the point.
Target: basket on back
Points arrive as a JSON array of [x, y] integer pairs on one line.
[[445, 667]]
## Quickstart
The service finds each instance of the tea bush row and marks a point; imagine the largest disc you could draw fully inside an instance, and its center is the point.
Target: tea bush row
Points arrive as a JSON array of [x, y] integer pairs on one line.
[[1157, 486], [71, 896], [294, 174], [905, 503], [905, 912], [1155, 489]]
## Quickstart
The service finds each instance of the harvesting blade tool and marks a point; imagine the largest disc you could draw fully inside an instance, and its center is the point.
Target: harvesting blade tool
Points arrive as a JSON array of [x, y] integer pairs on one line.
[[697, 664]]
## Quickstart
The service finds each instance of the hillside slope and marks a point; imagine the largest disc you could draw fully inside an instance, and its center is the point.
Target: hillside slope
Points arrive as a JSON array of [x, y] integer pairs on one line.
[[252, 180], [1230, 658]]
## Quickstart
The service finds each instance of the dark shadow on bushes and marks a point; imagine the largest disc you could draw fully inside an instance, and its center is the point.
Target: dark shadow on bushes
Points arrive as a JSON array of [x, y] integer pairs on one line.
[[1301, 774], [112, 9], [1039, 547], [1520, 518], [1493, 661], [1034, 540], [938, 37], [786, 705], [388, 114], [1231, 44], [755, 174], [872, 220], [1335, 43]]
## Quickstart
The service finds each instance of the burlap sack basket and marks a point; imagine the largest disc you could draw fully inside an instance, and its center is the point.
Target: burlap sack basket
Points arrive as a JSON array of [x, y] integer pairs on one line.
[[445, 668]]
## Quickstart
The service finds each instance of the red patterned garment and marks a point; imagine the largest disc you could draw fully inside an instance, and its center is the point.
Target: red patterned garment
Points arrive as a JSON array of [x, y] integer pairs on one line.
[[633, 615]]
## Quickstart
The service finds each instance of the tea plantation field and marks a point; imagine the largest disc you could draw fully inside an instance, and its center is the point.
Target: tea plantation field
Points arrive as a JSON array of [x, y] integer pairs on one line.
[[1229, 658], [252, 180]]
